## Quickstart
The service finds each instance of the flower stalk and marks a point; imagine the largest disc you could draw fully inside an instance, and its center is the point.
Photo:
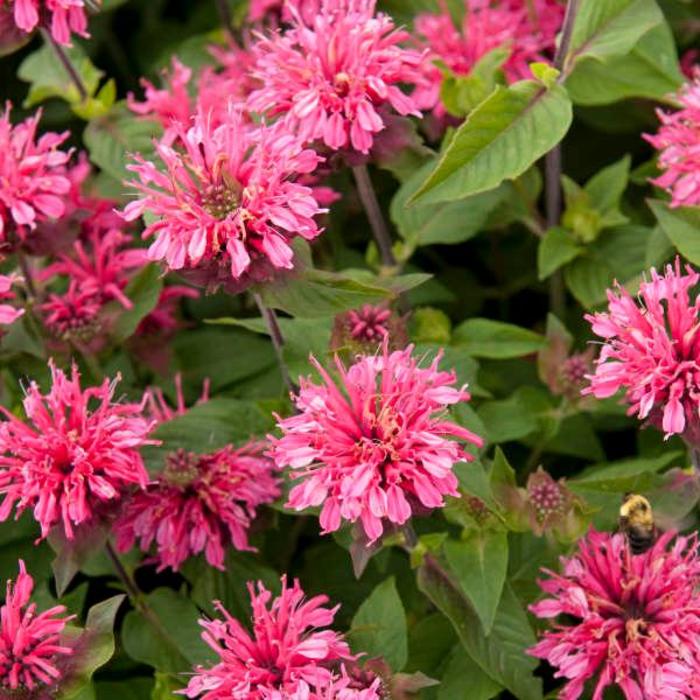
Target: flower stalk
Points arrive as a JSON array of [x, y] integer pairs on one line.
[[67, 65], [270, 318]]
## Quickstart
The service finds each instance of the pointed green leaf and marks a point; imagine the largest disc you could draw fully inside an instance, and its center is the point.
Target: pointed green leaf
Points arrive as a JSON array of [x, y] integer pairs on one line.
[[500, 140], [479, 562], [556, 249], [682, 226], [482, 337]]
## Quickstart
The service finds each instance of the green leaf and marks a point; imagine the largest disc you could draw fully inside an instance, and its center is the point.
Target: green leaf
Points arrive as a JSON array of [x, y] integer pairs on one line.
[[379, 626], [649, 70], [479, 562], [682, 226], [556, 249], [610, 28], [113, 138], [131, 689], [48, 78], [461, 673], [623, 475], [501, 655], [507, 419], [482, 337], [618, 254], [442, 223], [500, 140], [92, 647], [315, 293], [173, 644], [143, 291]]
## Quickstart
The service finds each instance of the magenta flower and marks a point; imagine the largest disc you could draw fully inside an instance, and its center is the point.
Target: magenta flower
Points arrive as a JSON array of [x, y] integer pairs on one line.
[[77, 451], [227, 205], [650, 351], [73, 315], [678, 143], [527, 29], [30, 642], [332, 77], [277, 10], [33, 176], [8, 313], [631, 620], [156, 407], [200, 503], [163, 320], [288, 654], [370, 323], [378, 446], [67, 16]]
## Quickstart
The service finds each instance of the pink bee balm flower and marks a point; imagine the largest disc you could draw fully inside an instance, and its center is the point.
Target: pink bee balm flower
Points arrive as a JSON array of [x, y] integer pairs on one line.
[[77, 451], [8, 313], [30, 643], [377, 446], [631, 620], [227, 207], [288, 654], [33, 176], [526, 28], [678, 143], [67, 16], [283, 9], [331, 78], [199, 503], [73, 315], [651, 351]]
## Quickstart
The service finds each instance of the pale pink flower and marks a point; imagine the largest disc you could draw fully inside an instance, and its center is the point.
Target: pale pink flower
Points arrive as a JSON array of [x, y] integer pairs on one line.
[[678, 143], [33, 176], [227, 206], [651, 351], [331, 78], [30, 642], [631, 620], [66, 17], [199, 503], [8, 313], [288, 656], [375, 445], [526, 28], [77, 451]]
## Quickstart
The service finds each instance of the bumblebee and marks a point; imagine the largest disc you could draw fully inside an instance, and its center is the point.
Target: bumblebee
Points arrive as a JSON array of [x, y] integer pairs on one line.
[[637, 522]]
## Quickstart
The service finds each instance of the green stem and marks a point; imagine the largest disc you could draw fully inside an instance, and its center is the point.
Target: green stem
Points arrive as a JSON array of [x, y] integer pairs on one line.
[[138, 600], [277, 338], [67, 65]]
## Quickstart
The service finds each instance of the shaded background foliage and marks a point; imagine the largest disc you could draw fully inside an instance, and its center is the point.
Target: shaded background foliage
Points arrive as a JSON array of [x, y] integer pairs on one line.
[[489, 257]]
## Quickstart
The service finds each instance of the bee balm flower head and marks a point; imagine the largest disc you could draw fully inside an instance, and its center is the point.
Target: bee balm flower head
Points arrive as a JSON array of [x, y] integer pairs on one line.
[[33, 177], [288, 655], [650, 351], [66, 17], [376, 444], [227, 206], [332, 76], [632, 620], [199, 503], [678, 143], [76, 451], [30, 642]]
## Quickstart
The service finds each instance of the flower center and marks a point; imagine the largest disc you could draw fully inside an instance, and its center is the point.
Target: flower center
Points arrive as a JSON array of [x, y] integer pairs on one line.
[[222, 199], [181, 468], [341, 84]]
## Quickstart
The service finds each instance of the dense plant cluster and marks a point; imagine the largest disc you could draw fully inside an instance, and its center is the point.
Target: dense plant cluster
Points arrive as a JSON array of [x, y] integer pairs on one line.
[[334, 335]]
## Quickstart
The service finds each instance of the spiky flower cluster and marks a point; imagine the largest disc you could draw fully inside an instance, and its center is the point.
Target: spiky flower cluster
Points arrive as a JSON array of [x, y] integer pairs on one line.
[[199, 503], [287, 655], [227, 206], [30, 642], [376, 444], [33, 177], [651, 351], [8, 312], [77, 451], [332, 78], [525, 29], [631, 620], [678, 143], [64, 17]]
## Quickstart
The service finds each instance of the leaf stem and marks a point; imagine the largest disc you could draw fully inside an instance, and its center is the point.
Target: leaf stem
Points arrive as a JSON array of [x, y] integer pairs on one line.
[[277, 340], [67, 64], [369, 201], [138, 601], [553, 164]]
